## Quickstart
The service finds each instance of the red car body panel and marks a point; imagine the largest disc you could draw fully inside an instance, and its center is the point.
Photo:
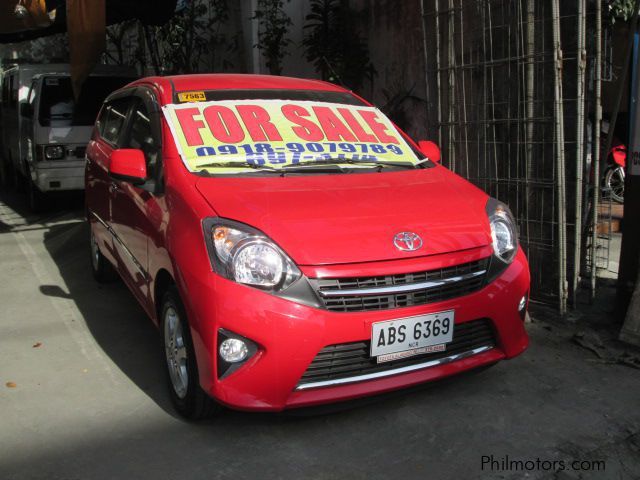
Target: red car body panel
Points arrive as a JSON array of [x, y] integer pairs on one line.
[[354, 217], [331, 226]]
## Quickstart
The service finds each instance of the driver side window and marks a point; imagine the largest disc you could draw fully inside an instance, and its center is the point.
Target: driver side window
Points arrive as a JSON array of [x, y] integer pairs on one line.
[[141, 137], [112, 119]]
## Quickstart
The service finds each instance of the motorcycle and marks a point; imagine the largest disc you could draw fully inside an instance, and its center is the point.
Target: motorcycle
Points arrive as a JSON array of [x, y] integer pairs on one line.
[[614, 173]]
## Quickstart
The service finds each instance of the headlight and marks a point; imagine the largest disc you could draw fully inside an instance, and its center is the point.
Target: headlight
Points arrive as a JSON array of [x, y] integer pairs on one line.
[[54, 152], [504, 233], [245, 255]]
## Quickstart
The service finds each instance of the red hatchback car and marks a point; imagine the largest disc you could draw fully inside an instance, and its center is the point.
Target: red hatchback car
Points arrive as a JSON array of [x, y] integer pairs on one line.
[[293, 246]]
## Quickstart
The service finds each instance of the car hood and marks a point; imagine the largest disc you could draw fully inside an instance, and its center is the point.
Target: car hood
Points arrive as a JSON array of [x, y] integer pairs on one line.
[[352, 218]]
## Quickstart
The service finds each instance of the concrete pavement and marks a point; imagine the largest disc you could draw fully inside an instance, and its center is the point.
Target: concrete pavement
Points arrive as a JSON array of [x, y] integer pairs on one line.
[[83, 395]]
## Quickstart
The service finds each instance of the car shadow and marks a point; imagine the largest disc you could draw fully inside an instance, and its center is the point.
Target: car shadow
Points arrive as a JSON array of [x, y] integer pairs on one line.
[[116, 321]]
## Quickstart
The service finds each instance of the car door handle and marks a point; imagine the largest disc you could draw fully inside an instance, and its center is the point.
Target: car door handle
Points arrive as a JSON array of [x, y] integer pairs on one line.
[[113, 188]]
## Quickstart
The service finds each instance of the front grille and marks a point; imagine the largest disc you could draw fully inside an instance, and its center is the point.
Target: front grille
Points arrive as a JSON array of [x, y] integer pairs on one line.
[[352, 359], [459, 280]]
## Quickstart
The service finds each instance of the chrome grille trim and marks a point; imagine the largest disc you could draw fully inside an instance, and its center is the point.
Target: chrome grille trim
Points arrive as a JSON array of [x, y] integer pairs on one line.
[[398, 290], [390, 290], [397, 371]]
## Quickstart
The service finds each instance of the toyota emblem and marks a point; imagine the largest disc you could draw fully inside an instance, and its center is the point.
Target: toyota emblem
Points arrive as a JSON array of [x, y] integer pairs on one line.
[[407, 241]]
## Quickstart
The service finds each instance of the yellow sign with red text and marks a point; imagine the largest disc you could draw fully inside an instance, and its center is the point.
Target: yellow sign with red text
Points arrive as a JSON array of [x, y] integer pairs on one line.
[[275, 133]]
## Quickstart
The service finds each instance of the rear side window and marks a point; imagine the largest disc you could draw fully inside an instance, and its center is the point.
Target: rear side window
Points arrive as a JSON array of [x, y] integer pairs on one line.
[[112, 119]]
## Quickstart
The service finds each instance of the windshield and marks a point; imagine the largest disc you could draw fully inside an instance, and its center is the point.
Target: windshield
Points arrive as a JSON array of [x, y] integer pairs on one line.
[[58, 107], [249, 135]]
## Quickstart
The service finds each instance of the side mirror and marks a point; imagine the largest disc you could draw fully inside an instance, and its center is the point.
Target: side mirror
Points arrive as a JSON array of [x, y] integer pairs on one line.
[[128, 165], [430, 150], [26, 110]]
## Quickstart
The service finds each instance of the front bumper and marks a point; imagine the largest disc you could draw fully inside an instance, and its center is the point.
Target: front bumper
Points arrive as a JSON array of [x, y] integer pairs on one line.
[[59, 175], [290, 335]]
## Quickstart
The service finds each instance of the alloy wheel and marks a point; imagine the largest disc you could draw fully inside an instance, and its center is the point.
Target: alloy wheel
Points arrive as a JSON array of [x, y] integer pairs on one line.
[[176, 352]]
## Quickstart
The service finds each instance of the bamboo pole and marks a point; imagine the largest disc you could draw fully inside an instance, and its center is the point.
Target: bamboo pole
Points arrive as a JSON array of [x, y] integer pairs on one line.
[[452, 84], [437, 19], [582, 64], [531, 9], [560, 161], [426, 60], [595, 168]]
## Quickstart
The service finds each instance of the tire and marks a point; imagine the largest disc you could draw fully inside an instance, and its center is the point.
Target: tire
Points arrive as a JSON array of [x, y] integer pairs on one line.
[[9, 179], [35, 197], [189, 400], [101, 268], [614, 183], [4, 173], [19, 180]]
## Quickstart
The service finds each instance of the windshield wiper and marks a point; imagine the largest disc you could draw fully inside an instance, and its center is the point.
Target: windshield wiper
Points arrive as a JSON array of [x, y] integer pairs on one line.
[[349, 161], [331, 164], [423, 161], [253, 166]]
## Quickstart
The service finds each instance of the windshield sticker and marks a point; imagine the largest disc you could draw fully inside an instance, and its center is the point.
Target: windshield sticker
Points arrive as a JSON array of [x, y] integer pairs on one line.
[[187, 97], [276, 133]]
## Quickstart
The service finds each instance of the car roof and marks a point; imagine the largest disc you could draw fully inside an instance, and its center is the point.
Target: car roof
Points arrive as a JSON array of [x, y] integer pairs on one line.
[[218, 81]]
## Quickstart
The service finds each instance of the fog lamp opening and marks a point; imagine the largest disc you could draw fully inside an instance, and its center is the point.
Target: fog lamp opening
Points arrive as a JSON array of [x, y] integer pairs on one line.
[[234, 351]]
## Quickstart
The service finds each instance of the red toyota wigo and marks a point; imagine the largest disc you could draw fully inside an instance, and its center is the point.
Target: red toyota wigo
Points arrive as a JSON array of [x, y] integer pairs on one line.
[[293, 246]]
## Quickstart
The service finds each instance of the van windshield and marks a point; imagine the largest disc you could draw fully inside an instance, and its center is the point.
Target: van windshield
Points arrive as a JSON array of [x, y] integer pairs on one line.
[[58, 107]]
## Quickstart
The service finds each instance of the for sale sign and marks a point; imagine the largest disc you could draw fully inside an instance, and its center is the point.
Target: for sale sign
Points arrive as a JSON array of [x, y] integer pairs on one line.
[[275, 133]]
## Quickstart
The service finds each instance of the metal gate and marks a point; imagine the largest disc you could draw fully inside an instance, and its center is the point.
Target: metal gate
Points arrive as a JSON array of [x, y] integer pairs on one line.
[[514, 93]]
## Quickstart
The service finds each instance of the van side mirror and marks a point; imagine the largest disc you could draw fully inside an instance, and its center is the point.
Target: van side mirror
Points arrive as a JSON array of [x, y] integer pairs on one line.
[[128, 165], [26, 110], [430, 150]]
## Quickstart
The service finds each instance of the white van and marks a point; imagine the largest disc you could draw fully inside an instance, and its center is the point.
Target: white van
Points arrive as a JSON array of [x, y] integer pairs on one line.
[[45, 130], [16, 82]]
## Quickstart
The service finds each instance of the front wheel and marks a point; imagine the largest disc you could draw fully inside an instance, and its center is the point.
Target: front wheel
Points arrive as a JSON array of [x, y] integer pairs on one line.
[[614, 183], [35, 196], [182, 371]]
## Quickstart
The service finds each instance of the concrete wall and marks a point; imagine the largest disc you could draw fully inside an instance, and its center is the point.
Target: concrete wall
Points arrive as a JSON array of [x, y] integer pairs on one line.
[[393, 31], [294, 63]]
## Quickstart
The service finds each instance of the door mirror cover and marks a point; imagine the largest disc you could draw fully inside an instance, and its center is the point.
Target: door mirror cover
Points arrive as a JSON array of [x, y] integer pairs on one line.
[[430, 149], [128, 165]]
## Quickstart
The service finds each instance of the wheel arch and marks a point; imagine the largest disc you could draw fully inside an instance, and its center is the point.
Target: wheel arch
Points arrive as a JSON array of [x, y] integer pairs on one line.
[[163, 281]]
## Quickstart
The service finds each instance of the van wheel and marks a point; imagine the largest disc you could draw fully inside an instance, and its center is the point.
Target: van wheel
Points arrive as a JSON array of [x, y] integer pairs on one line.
[[35, 196], [101, 268], [182, 371], [4, 173], [18, 179]]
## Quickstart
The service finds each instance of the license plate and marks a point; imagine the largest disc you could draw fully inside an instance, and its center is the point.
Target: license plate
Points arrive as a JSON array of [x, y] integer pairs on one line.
[[405, 337]]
